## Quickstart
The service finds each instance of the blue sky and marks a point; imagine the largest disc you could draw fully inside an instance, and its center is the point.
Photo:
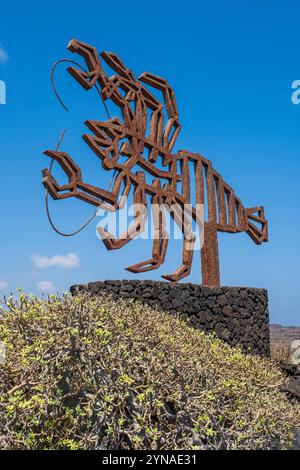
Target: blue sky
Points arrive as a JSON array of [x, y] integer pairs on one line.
[[231, 65]]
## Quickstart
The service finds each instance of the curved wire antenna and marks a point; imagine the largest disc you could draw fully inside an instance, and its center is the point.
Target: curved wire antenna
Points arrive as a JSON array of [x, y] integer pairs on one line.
[[64, 234], [85, 224], [64, 60]]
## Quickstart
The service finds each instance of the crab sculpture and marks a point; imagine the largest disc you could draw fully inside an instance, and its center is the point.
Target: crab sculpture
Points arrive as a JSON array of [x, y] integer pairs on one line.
[[142, 142]]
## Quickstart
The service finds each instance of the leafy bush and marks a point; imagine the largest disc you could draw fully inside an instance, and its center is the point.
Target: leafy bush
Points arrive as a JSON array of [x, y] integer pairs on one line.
[[93, 373]]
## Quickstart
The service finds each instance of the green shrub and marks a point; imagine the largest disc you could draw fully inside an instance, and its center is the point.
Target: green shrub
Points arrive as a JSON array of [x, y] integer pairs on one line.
[[93, 373]]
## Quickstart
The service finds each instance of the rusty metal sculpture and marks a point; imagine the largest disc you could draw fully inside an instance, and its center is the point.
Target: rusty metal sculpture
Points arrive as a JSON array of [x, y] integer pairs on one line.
[[143, 138]]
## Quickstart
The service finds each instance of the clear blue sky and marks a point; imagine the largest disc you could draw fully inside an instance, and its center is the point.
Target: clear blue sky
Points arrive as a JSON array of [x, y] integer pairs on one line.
[[231, 65]]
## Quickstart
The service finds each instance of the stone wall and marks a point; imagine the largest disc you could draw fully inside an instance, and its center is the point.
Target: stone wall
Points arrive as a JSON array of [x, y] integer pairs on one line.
[[238, 315]]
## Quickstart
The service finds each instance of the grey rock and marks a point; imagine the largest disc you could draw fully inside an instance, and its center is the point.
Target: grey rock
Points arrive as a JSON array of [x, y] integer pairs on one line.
[[177, 303], [227, 310], [176, 293], [155, 292], [127, 287], [222, 300], [293, 387], [206, 291], [296, 445]]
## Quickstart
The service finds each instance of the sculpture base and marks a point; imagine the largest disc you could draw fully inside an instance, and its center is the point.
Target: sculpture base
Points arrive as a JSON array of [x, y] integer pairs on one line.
[[238, 315]]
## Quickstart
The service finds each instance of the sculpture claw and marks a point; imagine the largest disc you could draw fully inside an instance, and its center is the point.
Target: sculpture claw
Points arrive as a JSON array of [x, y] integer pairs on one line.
[[144, 266], [180, 273], [110, 242]]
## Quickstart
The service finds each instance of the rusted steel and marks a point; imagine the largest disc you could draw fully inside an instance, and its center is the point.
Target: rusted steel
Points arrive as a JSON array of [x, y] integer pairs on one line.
[[142, 137]]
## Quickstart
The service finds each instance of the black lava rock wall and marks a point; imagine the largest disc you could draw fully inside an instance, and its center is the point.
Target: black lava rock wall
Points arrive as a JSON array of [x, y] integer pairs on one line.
[[238, 315]]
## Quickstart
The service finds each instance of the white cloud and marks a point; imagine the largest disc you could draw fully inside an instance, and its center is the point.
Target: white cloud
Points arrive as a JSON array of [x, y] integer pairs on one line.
[[46, 286], [68, 262], [3, 56], [3, 284]]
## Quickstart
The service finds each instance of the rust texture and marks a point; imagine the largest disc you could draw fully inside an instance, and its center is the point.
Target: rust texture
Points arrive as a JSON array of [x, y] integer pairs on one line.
[[146, 136]]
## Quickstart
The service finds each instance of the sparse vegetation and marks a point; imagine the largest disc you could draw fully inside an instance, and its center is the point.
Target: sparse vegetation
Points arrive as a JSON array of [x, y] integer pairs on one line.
[[93, 373], [281, 352]]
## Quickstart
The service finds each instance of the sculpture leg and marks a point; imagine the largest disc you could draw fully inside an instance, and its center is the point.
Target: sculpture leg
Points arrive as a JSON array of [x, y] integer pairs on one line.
[[135, 229], [189, 238], [160, 243], [173, 127], [210, 257], [185, 269]]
